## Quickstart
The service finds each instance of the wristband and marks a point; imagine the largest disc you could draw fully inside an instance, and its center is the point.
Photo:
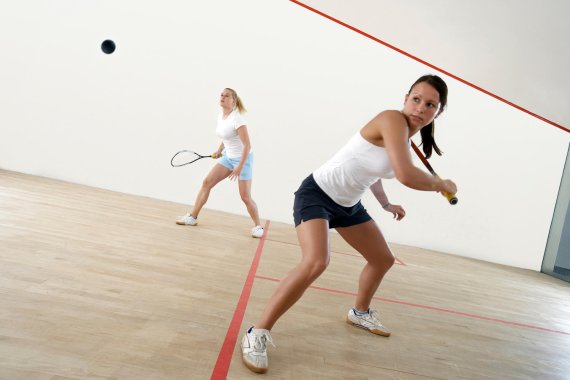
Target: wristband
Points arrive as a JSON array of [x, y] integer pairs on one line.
[[386, 205]]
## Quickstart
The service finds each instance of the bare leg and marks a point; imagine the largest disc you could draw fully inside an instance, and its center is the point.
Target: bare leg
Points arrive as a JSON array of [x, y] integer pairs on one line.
[[367, 239], [218, 173], [245, 194], [314, 239]]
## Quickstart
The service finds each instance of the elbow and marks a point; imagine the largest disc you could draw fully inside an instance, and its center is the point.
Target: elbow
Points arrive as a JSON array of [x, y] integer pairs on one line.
[[405, 179], [406, 175]]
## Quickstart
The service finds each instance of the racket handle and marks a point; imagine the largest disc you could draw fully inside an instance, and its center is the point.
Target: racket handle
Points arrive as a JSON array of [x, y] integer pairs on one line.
[[452, 198]]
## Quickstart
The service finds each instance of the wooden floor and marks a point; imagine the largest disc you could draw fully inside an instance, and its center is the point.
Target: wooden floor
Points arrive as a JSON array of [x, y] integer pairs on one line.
[[101, 285]]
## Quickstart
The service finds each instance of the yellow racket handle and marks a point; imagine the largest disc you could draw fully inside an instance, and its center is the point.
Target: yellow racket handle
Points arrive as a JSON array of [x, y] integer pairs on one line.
[[452, 198]]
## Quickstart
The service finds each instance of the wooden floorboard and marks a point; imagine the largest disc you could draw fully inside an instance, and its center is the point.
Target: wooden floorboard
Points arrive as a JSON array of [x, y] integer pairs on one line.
[[96, 284]]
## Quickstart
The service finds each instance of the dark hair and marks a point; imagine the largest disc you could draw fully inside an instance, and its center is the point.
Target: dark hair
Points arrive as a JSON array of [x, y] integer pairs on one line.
[[427, 132]]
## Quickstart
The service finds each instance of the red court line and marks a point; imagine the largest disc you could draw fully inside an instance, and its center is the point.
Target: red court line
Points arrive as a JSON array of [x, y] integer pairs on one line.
[[430, 65], [398, 261], [225, 356], [431, 308]]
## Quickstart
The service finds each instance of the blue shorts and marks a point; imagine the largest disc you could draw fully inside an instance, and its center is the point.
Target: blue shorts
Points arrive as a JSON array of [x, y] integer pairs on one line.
[[231, 163], [311, 202]]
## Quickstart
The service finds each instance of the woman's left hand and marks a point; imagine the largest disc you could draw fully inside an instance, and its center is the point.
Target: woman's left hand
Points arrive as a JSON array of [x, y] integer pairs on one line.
[[235, 173], [397, 211]]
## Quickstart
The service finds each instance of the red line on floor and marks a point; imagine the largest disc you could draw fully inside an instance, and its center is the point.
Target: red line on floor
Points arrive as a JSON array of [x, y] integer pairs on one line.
[[398, 261], [225, 355], [430, 308], [430, 65]]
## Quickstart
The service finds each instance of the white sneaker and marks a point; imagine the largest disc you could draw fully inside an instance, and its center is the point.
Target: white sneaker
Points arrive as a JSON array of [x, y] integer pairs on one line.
[[187, 220], [257, 231], [254, 349], [369, 321]]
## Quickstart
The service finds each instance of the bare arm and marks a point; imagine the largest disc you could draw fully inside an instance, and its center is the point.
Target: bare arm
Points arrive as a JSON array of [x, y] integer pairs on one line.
[[218, 153], [378, 190], [392, 128]]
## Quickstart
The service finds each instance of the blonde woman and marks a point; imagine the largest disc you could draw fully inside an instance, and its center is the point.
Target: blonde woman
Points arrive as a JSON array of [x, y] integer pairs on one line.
[[236, 161]]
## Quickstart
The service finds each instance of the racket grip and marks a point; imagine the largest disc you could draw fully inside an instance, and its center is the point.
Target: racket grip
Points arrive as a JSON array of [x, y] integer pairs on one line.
[[452, 198]]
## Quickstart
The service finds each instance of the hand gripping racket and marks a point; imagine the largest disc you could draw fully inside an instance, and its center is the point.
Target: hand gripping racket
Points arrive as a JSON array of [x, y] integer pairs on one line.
[[186, 157], [452, 198]]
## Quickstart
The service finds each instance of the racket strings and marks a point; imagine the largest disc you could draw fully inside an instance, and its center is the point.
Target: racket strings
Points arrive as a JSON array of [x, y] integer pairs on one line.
[[184, 157]]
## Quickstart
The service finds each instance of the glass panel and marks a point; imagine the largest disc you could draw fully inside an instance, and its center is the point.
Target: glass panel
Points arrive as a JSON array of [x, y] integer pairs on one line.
[[556, 260]]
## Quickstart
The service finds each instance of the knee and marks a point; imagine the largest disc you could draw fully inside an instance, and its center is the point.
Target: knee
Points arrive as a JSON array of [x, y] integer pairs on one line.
[[207, 183], [383, 262], [390, 261], [245, 198], [316, 267], [387, 261]]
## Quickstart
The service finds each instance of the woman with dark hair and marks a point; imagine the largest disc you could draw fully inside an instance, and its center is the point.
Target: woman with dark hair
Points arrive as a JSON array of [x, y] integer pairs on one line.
[[330, 198]]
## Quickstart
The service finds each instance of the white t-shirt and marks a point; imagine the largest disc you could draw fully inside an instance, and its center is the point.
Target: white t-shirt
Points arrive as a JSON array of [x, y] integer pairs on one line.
[[226, 129], [352, 170]]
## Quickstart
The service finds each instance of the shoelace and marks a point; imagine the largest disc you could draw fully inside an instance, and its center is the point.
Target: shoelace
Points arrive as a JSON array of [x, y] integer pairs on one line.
[[374, 317], [261, 340]]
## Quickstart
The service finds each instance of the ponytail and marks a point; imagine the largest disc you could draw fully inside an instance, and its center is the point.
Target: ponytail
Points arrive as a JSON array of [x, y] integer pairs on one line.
[[428, 141], [427, 132], [239, 105]]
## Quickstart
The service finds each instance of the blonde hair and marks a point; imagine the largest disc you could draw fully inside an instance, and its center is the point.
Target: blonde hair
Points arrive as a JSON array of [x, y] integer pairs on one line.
[[237, 100]]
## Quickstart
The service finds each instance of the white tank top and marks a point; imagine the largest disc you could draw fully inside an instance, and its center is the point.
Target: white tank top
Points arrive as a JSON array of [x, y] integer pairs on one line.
[[352, 170]]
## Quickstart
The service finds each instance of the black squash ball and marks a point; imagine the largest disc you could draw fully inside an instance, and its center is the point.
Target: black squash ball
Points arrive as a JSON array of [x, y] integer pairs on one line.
[[108, 46]]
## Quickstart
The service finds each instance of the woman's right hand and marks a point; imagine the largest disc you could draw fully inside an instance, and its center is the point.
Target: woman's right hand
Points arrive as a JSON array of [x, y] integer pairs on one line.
[[447, 186], [216, 154]]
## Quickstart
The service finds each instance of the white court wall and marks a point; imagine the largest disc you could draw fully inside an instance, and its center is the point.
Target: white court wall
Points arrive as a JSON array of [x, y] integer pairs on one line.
[[70, 112], [516, 49]]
